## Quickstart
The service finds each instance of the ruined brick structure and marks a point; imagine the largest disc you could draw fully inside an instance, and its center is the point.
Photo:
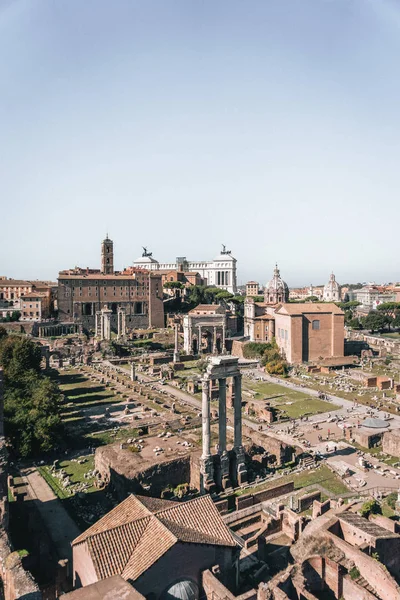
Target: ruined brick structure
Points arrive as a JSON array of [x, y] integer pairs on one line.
[[83, 292]]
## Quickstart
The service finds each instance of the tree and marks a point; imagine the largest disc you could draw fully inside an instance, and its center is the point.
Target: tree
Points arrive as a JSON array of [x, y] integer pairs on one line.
[[18, 356], [3, 332], [374, 321], [348, 305], [172, 285], [311, 299], [370, 507], [389, 308], [15, 315], [354, 323], [223, 296], [32, 419]]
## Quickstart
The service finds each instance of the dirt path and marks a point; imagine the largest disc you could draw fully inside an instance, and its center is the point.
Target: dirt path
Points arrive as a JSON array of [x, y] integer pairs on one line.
[[60, 527]]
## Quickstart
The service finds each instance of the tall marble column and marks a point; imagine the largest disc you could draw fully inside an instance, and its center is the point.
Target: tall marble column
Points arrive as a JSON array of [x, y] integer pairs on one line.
[[223, 338], [206, 461], [224, 457], [176, 350], [199, 341], [133, 374], [238, 412], [205, 418], [238, 447], [222, 416], [214, 348]]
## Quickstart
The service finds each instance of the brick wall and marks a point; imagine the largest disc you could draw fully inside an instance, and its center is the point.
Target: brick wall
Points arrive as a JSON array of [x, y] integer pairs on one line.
[[183, 561], [375, 573], [307, 500], [222, 506], [263, 495]]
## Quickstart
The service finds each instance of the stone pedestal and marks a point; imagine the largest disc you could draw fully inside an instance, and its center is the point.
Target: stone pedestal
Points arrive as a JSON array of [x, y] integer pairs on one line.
[[241, 466], [225, 478], [207, 483]]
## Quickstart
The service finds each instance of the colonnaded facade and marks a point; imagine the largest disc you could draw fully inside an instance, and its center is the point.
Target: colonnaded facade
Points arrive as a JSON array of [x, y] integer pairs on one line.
[[220, 272]]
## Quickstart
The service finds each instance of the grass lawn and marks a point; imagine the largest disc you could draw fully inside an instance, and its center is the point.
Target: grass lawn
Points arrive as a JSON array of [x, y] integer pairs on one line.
[[102, 438], [74, 470], [322, 476], [278, 395]]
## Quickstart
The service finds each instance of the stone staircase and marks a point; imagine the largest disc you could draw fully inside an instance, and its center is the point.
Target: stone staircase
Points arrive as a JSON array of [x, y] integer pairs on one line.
[[364, 584]]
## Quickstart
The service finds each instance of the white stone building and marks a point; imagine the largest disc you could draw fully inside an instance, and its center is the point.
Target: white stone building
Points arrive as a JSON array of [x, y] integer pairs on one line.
[[220, 272], [332, 291]]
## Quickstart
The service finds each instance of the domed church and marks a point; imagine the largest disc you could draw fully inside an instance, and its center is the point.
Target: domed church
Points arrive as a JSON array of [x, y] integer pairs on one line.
[[332, 290], [276, 290]]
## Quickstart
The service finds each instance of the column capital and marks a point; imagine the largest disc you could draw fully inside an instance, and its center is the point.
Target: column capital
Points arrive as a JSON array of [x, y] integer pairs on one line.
[[205, 384]]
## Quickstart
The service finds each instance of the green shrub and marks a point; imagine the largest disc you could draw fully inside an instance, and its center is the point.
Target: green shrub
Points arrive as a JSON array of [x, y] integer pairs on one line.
[[354, 573], [391, 500], [371, 507], [255, 349]]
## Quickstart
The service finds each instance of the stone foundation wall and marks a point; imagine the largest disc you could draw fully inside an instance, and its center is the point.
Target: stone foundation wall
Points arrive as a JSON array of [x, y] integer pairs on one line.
[[391, 443], [157, 476], [283, 452]]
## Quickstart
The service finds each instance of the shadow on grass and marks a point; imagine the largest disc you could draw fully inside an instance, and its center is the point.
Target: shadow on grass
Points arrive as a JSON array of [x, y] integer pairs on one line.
[[85, 391]]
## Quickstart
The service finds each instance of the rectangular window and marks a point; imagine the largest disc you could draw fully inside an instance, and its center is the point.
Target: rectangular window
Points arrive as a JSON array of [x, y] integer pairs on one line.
[[315, 325]]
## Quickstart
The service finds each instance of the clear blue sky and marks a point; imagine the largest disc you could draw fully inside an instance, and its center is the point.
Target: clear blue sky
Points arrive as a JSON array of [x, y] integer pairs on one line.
[[269, 125]]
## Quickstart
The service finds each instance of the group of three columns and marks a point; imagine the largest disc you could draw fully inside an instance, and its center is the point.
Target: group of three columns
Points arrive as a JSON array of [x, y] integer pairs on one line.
[[230, 463]]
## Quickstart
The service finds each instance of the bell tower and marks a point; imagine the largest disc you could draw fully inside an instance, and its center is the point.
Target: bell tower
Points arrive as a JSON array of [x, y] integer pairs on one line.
[[107, 256]]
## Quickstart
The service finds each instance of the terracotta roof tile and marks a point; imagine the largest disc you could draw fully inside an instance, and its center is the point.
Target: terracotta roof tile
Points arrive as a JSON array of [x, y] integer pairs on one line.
[[309, 308], [155, 542], [136, 533], [201, 516], [155, 504], [131, 509]]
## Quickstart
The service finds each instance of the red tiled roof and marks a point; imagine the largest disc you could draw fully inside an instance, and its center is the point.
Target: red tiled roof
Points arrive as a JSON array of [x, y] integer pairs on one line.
[[135, 534]]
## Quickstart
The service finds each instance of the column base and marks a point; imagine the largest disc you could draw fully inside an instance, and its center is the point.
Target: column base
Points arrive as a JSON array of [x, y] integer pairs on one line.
[[225, 478], [176, 357], [242, 474], [241, 466], [207, 482]]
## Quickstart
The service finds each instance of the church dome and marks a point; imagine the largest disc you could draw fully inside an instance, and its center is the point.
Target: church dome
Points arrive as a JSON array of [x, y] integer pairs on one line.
[[276, 290], [182, 590], [332, 290]]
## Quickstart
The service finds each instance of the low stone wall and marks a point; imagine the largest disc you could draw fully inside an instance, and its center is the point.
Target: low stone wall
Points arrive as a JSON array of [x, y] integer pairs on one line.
[[222, 506], [19, 327], [264, 495], [215, 590]]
